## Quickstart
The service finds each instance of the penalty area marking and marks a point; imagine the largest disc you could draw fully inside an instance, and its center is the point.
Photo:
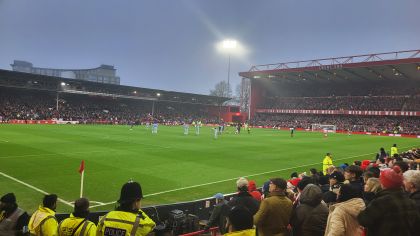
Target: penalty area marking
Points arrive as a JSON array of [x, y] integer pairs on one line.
[[34, 188], [225, 180]]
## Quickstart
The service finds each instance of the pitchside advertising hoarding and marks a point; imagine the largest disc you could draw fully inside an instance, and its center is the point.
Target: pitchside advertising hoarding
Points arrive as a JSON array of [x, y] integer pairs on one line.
[[341, 112]]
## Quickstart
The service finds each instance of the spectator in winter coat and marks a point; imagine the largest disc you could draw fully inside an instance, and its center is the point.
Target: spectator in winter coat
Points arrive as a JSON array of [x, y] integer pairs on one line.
[[219, 214], [310, 217], [300, 186], [353, 174], [412, 185], [274, 214], [372, 187], [342, 220], [243, 198], [336, 180], [390, 212], [12, 218]]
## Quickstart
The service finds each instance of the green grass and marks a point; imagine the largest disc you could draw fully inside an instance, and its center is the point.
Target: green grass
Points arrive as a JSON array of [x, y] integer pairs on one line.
[[48, 157]]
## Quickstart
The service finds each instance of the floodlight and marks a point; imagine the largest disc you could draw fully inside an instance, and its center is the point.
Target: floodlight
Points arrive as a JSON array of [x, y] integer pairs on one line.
[[229, 44]]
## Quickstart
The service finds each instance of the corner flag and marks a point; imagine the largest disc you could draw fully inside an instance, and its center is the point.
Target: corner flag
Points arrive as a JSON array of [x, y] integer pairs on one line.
[[82, 167], [82, 172]]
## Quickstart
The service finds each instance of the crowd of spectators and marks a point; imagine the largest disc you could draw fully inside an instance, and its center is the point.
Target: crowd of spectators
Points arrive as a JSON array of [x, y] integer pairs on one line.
[[40, 105], [378, 196], [374, 124], [345, 88], [359, 103]]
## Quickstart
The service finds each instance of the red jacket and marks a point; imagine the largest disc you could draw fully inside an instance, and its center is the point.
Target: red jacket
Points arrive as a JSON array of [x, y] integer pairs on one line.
[[252, 189]]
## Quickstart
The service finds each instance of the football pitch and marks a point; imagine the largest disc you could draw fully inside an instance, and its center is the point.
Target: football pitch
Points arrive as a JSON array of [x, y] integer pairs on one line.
[[171, 167]]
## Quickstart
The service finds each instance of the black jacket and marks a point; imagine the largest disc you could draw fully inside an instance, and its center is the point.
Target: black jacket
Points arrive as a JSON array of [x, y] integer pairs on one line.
[[391, 212], [246, 200], [416, 198]]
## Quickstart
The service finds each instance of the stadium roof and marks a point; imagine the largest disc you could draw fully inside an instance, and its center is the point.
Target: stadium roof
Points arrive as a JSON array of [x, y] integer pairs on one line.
[[369, 67], [64, 85]]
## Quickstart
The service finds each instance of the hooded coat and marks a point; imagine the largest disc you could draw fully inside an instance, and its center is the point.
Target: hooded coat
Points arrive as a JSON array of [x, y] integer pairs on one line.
[[342, 220], [310, 217], [390, 213], [252, 188]]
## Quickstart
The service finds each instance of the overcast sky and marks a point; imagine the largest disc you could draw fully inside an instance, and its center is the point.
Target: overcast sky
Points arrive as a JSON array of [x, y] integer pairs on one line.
[[170, 44]]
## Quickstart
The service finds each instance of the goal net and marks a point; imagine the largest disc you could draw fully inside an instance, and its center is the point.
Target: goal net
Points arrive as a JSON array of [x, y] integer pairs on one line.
[[324, 128]]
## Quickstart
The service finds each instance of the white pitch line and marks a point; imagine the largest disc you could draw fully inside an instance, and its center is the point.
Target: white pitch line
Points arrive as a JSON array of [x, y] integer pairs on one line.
[[225, 180], [72, 153], [51, 154], [33, 187]]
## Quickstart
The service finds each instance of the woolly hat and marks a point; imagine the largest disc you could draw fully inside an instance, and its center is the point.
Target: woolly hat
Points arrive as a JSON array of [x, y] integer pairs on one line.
[[8, 198], [266, 186], [391, 178], [130, 192]]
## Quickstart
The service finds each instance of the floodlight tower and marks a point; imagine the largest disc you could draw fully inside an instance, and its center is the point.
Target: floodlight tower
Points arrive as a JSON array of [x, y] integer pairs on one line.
[[153, 103], [229, 45]]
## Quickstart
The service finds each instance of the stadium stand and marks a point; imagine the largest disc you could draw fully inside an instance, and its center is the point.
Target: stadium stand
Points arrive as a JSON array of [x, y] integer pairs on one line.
[[366, 93], [35, 97]]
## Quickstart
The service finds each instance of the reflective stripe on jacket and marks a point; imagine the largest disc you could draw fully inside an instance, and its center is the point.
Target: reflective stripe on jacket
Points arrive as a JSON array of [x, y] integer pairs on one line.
[[125, 223], [43, 222], [83, 227]]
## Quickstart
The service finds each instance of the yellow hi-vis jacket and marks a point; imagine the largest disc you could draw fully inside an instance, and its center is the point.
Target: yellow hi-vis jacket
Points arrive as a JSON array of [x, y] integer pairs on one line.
[[43, 222], [326, 163], [246, 232], [125, 224], [83, 227], [394, 150]]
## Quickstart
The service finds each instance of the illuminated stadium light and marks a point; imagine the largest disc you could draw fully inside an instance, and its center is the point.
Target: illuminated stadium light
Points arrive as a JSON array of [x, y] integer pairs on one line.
[[135, 92], [63, 84], [158, 94], [229, 44]]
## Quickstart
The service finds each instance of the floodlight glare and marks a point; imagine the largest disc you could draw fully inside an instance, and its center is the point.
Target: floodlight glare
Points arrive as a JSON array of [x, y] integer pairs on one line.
[[158, 94], [62, 83], [229, 44]]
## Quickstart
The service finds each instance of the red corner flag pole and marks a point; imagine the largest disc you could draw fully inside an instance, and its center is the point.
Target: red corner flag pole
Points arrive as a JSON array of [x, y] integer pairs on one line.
[[82, 172]]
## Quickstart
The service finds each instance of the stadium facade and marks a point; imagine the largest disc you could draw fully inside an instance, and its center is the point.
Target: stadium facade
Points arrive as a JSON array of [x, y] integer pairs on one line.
[[103, 74]]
